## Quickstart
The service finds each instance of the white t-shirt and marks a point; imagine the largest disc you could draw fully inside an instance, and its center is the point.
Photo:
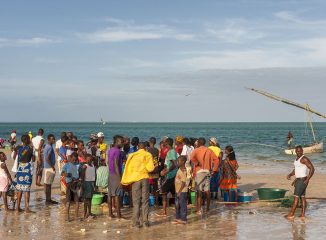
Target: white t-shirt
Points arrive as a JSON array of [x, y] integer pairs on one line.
[[13, 135], [58, 144], [36, 142], [90, 173], [186, 151]]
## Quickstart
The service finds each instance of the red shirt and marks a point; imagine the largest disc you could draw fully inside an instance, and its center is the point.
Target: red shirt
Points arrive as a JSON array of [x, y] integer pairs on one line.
[[164, 152]]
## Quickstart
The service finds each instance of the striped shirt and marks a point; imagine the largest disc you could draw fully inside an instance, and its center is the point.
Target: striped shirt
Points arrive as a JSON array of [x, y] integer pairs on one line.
[[102, 177]]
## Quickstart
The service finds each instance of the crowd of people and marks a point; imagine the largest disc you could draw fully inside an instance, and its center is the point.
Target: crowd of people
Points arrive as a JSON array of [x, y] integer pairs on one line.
[[127, 171]]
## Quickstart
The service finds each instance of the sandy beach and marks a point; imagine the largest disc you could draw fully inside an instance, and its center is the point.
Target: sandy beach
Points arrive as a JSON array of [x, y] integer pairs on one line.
[[227, 221]]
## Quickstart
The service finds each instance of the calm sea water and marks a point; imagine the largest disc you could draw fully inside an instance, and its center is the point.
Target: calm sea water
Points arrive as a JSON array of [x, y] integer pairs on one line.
[[247, 138]]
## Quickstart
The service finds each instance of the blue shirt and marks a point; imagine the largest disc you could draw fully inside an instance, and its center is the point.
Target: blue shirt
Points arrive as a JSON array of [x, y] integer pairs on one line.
[[63, 152], [133, 149], [48, 151], [71, 168]]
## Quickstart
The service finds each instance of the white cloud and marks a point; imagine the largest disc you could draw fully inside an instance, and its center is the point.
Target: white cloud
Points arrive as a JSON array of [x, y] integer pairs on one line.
[[247, 59], [287, 16], [304, 53], [122, 31], [25, 42], [233, 31]]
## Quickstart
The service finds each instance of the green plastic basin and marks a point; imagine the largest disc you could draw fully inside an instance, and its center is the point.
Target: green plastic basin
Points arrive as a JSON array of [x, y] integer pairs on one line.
[[193, 197], [97, 199], [270, 193]]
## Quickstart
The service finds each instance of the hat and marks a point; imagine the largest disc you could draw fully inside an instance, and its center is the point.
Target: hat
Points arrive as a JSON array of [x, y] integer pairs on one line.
[[14, 131], [179, 138], [30, 132], [100, 134], [93, 137], [213, 140]]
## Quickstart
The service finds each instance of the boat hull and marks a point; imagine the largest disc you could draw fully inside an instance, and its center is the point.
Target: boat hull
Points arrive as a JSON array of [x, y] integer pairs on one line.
[[315, 148]]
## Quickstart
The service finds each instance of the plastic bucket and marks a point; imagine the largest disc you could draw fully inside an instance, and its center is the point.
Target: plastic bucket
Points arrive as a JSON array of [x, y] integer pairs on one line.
[[97, 199], [151, 200], [226, 195], [193, 197], [270, 193]]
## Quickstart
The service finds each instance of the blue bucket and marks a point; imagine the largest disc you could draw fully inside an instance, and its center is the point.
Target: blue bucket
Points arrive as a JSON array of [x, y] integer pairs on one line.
[[226, 196], [151, 200]]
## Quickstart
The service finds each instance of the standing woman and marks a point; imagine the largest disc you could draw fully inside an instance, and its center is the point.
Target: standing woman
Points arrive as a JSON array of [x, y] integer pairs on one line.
[[24, 176], [5, 179], [229, 174]]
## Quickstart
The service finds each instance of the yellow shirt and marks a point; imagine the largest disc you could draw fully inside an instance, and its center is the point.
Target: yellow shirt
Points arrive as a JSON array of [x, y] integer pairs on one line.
[[215, 150], [137, 167], [103, 149]]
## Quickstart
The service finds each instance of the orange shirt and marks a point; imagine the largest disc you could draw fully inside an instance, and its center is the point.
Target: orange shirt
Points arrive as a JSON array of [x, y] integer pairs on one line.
[[204, 158]]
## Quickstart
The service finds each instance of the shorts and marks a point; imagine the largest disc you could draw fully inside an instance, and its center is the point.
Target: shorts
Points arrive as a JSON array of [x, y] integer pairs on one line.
[[168, 186], [72, 191], [49, 175], [39, 169], [300, 188], [115, 188], [202, 181], [88, 189]]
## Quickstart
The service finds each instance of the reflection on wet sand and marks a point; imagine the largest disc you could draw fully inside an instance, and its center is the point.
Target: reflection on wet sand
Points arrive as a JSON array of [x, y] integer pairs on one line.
[[250, 221]]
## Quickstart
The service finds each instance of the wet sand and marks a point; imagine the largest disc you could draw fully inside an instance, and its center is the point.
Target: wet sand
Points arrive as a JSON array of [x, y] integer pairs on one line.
[[224, 221]]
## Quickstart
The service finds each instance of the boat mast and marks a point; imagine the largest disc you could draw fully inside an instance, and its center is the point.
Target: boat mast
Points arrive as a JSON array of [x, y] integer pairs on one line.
[[289, 102], [310, 122]]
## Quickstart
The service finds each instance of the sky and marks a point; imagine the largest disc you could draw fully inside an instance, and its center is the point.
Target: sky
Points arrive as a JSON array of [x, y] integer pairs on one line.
[[163, 60]]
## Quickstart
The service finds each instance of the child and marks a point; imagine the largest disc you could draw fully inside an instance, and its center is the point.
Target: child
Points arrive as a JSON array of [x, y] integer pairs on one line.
[[70, 172], [88, 176], [63, 161], [102, 177], [181, 189], [5, 179]]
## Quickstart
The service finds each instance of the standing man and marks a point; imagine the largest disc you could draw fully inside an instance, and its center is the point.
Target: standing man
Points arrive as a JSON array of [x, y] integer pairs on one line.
[[301, 166], [169, 172], [137, 169], [102, 145], [38, 142], [13, 139], [115, 171], [290, 139], [205, 163], [49, 168], [58, 145]]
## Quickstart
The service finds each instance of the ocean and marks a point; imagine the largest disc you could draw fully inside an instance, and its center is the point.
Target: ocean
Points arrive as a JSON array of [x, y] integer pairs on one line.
[[249, 140]]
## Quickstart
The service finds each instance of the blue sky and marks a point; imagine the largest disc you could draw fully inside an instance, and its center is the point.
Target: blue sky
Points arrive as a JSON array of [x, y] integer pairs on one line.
[[136, 60]]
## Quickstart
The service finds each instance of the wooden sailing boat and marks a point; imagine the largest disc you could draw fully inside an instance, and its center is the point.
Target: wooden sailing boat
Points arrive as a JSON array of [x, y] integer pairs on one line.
[[315, 147]]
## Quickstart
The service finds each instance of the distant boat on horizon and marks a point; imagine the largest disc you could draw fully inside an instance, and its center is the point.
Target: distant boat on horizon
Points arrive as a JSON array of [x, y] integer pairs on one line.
[[103, 122]]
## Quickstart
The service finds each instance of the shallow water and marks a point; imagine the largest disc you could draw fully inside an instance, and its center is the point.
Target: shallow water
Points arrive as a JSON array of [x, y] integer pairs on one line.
[[249, 139]]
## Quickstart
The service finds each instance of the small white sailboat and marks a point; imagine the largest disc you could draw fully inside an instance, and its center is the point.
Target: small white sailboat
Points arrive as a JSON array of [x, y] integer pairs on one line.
[[317, 146], [103, 122]]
